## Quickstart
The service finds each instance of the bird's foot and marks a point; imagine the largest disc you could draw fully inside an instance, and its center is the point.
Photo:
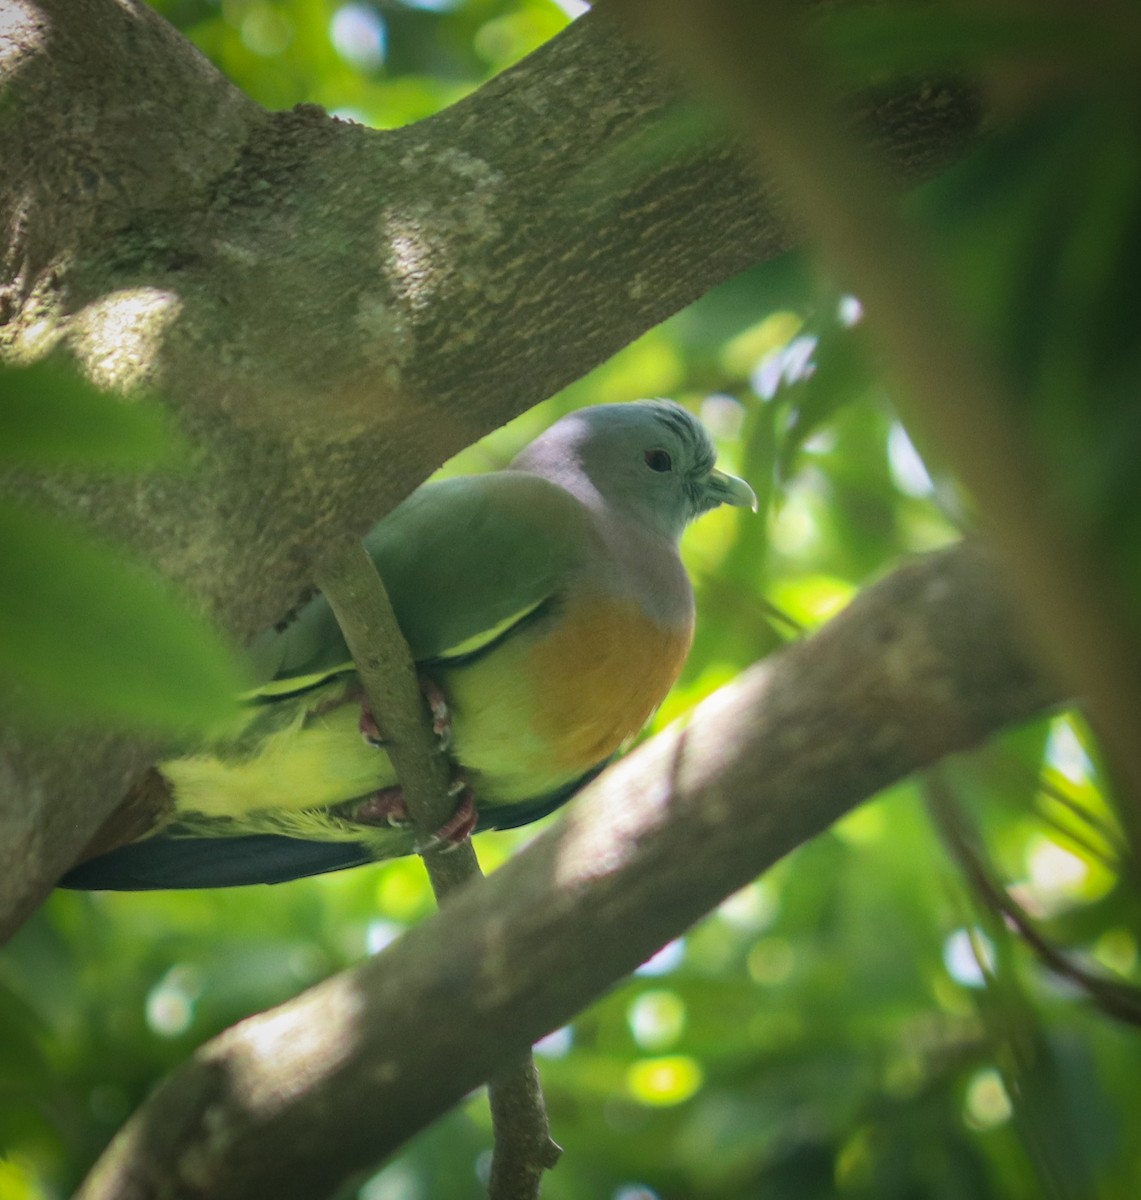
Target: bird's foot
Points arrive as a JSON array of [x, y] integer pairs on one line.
[[437, 706], [387, 807], [459, 827], [370, 731]]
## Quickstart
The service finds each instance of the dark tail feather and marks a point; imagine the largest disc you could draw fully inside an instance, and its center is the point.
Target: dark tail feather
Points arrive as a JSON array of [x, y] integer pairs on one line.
[[166, 861]]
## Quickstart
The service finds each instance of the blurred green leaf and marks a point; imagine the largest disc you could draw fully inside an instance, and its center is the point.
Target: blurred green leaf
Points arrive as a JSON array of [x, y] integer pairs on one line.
[[841, 373], [1040, 234], [85, 636], [869, 40], [49, 416]]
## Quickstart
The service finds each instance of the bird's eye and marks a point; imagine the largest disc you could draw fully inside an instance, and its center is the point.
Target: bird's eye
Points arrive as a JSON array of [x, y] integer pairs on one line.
[[659, 460]]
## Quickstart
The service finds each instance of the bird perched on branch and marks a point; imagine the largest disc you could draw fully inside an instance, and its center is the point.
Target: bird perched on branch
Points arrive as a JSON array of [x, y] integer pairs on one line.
[[545, 605]]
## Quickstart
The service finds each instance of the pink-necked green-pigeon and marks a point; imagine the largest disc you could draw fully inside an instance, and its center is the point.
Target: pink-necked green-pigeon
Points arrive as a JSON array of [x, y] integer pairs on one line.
[[548, 607]]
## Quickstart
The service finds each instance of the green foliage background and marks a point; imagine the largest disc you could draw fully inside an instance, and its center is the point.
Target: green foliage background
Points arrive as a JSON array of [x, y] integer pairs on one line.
[[861, 1022]]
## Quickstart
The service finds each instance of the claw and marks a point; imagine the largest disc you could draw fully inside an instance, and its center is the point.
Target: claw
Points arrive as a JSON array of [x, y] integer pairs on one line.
[[459, 827], [438, 706], [370, 731], [387, 807]]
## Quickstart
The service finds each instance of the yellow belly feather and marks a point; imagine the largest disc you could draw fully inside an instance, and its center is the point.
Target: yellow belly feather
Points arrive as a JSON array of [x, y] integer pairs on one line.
[[534, 714], [312, 761], [552, 702]]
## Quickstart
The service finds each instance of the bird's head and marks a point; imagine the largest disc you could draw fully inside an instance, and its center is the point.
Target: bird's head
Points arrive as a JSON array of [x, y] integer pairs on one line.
[[651, 458]]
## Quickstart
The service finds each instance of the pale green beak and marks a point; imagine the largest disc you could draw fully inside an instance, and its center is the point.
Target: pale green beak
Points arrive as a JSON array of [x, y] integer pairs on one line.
[[723, 488]]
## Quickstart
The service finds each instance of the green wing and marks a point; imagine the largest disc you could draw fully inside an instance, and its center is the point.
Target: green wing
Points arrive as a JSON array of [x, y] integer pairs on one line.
[[463, 561]]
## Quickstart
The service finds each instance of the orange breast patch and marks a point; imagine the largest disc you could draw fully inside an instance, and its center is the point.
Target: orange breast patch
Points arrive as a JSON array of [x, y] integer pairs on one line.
[[601, 672]]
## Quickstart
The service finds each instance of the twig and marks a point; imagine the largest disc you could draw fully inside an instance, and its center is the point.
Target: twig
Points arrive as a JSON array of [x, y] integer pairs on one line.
[[1112, 851], [1120, 852], [518, 1162], [523, 1147], [1119, 1000]]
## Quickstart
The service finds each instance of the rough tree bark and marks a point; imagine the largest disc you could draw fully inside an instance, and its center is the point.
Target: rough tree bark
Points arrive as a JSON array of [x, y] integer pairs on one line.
[[329, 311]]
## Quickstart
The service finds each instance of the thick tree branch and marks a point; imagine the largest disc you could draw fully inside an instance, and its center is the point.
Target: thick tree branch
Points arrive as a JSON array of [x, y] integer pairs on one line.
[[351, 584], [327, 310], [923, 663]]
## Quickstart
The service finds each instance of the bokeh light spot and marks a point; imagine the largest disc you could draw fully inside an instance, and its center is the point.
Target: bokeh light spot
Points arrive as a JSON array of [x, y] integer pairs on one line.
[[908, 471], [1117, 950], [771, 961], [751, 909], [557, 1044], [744, 352], [849, 311], [1053, 869], [987, 1103], [656, 1019], [1065, 752], [170, 1003], [266, 31], [397, 1182], [667, 959], [961, 954], [779, 368], [663, 1082], [723, 416], [359, 35], [381, 933]]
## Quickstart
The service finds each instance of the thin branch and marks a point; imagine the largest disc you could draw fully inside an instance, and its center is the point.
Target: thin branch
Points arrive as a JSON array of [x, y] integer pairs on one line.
[[523, 1147], [1120, 852], [518, 1161], [387, 673], [1112, 996], [1097, 836]]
